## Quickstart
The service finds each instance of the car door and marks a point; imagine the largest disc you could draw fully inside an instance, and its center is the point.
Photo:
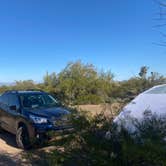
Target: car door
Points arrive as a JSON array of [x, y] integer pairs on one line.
[[12, 115], [8, 116], [0, 111], [3, 111]]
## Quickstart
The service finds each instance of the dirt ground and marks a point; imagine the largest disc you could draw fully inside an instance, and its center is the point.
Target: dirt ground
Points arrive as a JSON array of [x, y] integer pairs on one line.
[[10, 155], [107, 109]]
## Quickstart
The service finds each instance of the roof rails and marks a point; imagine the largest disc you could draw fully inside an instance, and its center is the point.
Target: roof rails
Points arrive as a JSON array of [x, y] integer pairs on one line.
[[16, 91], [11, 91]]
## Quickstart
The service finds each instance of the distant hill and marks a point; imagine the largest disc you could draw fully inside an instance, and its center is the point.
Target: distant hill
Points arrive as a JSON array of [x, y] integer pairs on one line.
[[7, 83]]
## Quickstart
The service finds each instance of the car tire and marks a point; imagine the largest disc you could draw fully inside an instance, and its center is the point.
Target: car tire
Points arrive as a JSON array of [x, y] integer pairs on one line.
[[1, 130], [22, 138]]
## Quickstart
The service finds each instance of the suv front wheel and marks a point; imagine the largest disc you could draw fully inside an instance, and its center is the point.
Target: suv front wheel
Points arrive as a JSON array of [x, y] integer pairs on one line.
[[22, 138]]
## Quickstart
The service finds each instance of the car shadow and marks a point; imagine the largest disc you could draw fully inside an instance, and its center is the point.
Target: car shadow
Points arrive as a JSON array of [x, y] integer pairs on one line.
[[6, 160], [8, 138]]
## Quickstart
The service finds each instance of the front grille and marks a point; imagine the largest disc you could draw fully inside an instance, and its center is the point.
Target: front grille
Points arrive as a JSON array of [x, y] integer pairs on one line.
[[63, 122]]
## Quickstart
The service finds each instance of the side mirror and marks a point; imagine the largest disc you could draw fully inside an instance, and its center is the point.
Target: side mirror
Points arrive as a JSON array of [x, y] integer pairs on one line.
[[13, 108]]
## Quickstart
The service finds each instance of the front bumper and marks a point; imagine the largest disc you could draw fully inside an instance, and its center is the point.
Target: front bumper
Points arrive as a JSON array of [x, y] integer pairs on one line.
[[43, 129]]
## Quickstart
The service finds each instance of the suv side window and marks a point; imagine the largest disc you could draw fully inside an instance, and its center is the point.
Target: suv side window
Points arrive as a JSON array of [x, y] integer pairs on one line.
[[4, 99], [13, 100], [4, 102]]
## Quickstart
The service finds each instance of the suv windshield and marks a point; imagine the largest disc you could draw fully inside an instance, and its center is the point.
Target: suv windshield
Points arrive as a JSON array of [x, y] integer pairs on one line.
[[36, 100]]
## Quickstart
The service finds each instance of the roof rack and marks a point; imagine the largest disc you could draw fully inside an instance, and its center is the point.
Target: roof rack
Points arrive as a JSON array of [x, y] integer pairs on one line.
[[16, 91], [11, 91]]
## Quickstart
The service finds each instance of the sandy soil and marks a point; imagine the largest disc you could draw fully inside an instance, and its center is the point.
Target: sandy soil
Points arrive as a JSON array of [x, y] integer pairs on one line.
[[107, 109], [10, 155]]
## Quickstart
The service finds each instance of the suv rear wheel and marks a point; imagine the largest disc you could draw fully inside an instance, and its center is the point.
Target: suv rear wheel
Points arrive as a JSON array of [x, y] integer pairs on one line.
[[22, 138]]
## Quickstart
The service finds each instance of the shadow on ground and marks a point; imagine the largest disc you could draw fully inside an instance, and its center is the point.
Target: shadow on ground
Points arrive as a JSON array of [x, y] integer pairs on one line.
[[9, 153], [8, 138], [6, 160], [44, 154]]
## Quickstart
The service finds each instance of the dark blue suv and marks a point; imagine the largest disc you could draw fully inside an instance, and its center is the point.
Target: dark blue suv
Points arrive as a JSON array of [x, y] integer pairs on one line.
[[30, 114]]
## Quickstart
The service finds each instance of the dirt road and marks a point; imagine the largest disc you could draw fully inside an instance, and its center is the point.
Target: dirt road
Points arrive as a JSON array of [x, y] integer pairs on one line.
[[10, 155]]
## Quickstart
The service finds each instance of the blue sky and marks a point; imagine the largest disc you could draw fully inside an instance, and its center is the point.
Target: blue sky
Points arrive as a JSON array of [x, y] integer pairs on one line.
[[43, 35]]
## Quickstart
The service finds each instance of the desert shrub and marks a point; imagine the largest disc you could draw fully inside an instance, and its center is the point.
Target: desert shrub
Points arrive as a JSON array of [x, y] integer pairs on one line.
[[88, 99], [80, 83], [88, 146], [146, 146]]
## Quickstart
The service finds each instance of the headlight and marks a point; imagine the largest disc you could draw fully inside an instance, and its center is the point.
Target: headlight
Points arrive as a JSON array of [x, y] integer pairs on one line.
[[38, 120]]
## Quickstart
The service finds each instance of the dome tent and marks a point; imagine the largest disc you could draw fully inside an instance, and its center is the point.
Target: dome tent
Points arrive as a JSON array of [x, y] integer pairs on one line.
[[149, 103]]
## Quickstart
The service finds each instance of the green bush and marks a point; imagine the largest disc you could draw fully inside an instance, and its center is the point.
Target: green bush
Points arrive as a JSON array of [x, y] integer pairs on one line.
[[88, 146], [80, 83]]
